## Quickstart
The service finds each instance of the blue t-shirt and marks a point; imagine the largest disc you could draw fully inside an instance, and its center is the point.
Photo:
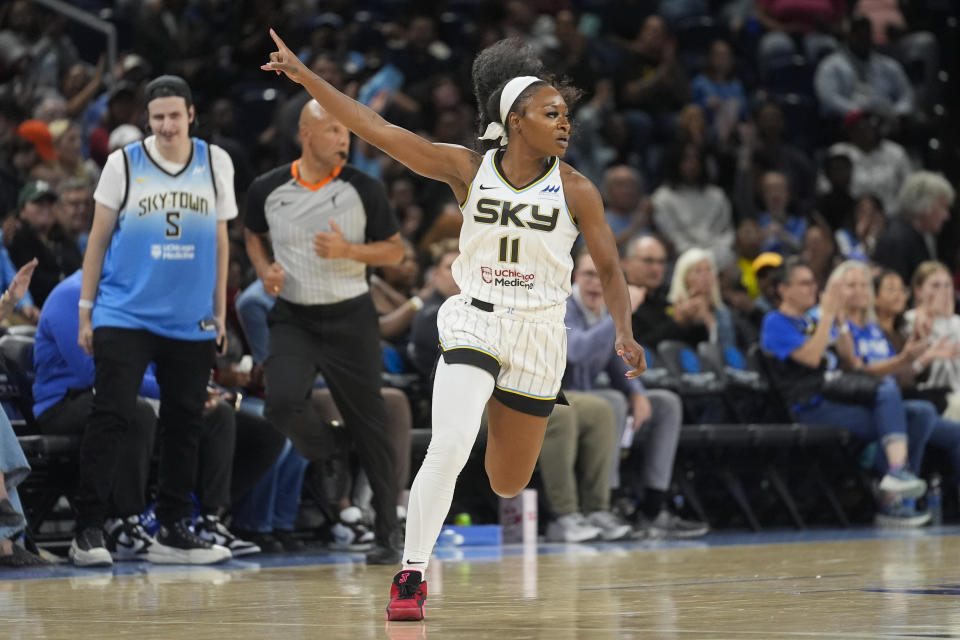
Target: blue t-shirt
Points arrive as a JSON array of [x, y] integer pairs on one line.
[[702, 89], [781, 335], [58, 361], [160, 270], [870, 343], [794, 225]]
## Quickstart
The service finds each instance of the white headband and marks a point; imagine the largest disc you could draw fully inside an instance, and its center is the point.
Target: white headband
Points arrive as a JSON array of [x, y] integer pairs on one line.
[[508, 96]]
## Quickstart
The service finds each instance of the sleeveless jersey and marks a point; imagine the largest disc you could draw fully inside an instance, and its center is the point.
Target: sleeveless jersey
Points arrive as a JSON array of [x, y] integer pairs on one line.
[[160, 269], [515, 243]]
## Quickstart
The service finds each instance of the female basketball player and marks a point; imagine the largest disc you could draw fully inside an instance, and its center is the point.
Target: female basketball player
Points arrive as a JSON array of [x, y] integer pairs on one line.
[[503, 339]]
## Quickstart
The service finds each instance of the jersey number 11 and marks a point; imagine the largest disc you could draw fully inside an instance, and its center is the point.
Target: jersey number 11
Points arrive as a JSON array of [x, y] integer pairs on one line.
[[514, 249]]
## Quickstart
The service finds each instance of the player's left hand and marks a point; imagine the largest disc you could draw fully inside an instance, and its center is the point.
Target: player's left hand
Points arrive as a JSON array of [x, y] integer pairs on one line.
[[632, 354], [331, 244]]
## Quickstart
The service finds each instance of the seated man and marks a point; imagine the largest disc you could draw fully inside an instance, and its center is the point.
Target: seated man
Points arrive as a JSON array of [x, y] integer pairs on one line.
[[63, 397], [590, 339], [575, 460], [655, 319], [799, 356]]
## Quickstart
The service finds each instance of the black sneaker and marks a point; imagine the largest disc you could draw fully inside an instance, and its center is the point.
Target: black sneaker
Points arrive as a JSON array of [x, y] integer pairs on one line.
[[386, 553], [212, 530], [126, 539], [89, 550], [670, 525], [178, 544], [267, 542], [289, 541]]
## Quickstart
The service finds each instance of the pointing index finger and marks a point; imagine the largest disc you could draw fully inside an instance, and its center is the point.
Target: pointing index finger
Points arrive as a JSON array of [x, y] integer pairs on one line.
[[279, 42]]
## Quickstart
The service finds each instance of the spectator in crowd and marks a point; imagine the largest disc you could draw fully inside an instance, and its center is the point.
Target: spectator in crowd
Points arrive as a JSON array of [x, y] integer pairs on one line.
[[266, 515], [74, 210], [836, 204], [122, 107], [424, 335], [695, 292], [879, 165], [658, 412], [171, 312], [720, 92], [765, 267], [874, 354], [934, 318], [655, 319], [397, 297], [317, 270], [35, 232], [819, 252], [69, 147], [688, 211], [650, 84], [81, 84], [763, 148], [798, 350], [890, 304], [235, 450], [747, 244], [869, 221], [857, 78], [626, 208], [14, 467], [923, 207], [63, 400], [43, 166], [782, 229], [788, 21]]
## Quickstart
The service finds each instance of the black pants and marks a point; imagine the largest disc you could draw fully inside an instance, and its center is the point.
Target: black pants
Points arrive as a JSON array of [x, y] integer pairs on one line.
[[342, 342], [69, 417], [236, 449], [183, 368]]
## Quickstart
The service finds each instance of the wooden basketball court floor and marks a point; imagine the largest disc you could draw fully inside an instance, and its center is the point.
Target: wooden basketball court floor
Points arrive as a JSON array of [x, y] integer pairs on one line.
[[823, 584]]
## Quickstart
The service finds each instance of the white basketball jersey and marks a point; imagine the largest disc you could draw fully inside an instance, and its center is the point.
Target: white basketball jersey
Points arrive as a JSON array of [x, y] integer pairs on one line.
[[515, 243]]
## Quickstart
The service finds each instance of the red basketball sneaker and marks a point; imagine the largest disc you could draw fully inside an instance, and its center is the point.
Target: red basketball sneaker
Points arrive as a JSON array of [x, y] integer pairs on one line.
[[407, 595]]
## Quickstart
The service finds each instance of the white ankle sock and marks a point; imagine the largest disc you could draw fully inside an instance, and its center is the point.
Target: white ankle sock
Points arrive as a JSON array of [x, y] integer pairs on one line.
[[460, 392]]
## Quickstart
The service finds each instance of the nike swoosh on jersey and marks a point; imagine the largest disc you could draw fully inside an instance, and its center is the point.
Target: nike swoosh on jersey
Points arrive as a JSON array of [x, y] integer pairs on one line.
[[485, 187]]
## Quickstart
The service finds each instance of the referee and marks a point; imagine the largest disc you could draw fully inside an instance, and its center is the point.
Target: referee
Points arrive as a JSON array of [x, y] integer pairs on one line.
[[312, 227]]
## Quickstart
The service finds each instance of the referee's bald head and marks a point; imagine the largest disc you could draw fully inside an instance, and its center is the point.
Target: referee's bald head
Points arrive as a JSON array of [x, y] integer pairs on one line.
[[323, 136], [312, 113]]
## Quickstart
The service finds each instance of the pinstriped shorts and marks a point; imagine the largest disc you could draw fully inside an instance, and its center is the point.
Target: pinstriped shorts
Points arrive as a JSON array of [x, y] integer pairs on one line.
[[525, 351]]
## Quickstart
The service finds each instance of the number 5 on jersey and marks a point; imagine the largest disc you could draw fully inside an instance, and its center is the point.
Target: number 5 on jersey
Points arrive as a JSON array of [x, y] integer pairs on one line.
[[514, 247], [173, 224]]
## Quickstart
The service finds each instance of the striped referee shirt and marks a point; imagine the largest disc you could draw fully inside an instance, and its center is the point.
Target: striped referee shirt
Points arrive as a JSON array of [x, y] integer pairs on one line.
[[294, 211]]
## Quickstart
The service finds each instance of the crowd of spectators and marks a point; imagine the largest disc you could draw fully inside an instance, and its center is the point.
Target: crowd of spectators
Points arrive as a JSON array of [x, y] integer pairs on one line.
[[726, 136]]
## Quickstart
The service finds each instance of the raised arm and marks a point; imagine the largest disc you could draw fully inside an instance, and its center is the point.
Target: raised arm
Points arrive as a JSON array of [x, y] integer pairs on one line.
[[448, 163], [587, 208]]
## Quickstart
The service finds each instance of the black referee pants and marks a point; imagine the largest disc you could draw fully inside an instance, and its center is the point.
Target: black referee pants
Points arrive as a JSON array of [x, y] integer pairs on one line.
[[342, 342], [121, 357]]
